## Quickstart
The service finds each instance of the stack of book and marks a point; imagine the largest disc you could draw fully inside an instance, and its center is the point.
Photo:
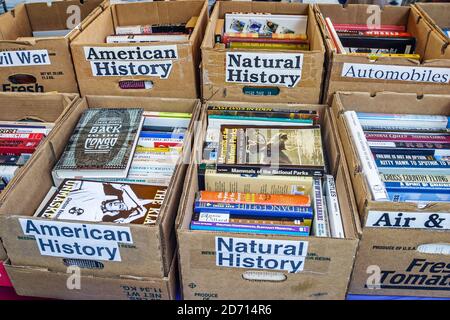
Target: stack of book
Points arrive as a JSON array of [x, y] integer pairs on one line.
[[18, 141], [263, 171], [406, 158], [384, 40], [153, 32], [117, 166], [262, 31]]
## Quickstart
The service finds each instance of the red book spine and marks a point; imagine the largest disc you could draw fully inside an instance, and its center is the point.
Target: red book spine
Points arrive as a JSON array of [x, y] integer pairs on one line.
[[20, 136], [18, 146], [376, 33], [363, 27], [165, 144]]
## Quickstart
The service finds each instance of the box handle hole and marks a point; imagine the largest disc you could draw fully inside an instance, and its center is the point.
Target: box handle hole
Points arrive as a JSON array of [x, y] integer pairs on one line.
[[264, 276]]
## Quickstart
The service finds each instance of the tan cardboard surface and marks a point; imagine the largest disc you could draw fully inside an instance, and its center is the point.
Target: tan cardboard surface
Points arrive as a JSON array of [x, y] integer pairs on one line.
[[328, 265], [182, 82], [214, 87], [407, 16], [404, 270], [59, 75], [40, 282], [153, 247], [392, 249]]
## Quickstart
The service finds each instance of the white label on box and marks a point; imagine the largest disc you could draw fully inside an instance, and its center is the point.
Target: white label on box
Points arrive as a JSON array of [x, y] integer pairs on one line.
[[135, 53], [152, 61], [159, 69], [268, 69], [396, 73], [77, 240], [24, 58], [408, 220], [277, 255]]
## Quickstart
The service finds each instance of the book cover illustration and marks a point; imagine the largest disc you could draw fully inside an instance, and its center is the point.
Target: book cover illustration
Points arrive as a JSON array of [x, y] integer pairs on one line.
[[105, 202], [282, 147], [102, 139]]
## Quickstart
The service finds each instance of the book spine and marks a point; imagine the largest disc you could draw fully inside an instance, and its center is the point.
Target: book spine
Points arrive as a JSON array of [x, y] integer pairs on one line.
[[20, 136], [159, 142], [416, 178], [265, 111], [369, 167], [437, 154], [161, 135], [334, 211], [271, 120], [364, 27], [231, 146], [270, 46], [321, 226], [226, 218], [23, 130], [259, 170], [396, 196], [413, 165], [417, 187], [255, 210], [398, 137], [412, 157], [268, 115], [251, 228], [241, 147], [210, 180], [254, 198]]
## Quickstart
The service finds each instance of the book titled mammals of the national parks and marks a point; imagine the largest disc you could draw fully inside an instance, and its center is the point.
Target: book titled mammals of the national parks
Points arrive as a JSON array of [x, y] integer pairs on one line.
[[102, 144], [271, 150]]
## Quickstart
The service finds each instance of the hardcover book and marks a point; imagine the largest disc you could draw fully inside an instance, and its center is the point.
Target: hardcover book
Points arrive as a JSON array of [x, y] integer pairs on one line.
[[273, 150], [102, 145], [105, 202]]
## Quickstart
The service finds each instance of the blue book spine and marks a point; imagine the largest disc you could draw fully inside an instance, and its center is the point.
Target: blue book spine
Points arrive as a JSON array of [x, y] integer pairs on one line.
[[289, 231], [418, 197], [413, 164], [417, 187], [159, 134], [255, 210]]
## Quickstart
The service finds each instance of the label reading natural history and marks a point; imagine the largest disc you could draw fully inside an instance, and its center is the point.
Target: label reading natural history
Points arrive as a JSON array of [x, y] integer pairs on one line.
[[396, 73], [151, 61], [24, 58], [275, 255], [408, 220], [267, 69], [77, 240]]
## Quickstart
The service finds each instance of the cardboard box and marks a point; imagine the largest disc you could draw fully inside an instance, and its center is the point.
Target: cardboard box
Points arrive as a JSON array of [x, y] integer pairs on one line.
[[218, 85], [389, 256], [436, 14], [49, 107], [44, 64], [141, 250], [42, 282], [328, 262], [169, 68], [4, 278], [353, 73]]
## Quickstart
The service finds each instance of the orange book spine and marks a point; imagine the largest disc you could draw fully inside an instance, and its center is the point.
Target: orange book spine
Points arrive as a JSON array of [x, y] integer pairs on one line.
[[255, 198]]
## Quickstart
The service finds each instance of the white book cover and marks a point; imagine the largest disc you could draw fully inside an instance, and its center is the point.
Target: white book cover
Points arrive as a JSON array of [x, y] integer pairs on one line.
[[321, 226], [265, 23], [334, 211], [369, 168]]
